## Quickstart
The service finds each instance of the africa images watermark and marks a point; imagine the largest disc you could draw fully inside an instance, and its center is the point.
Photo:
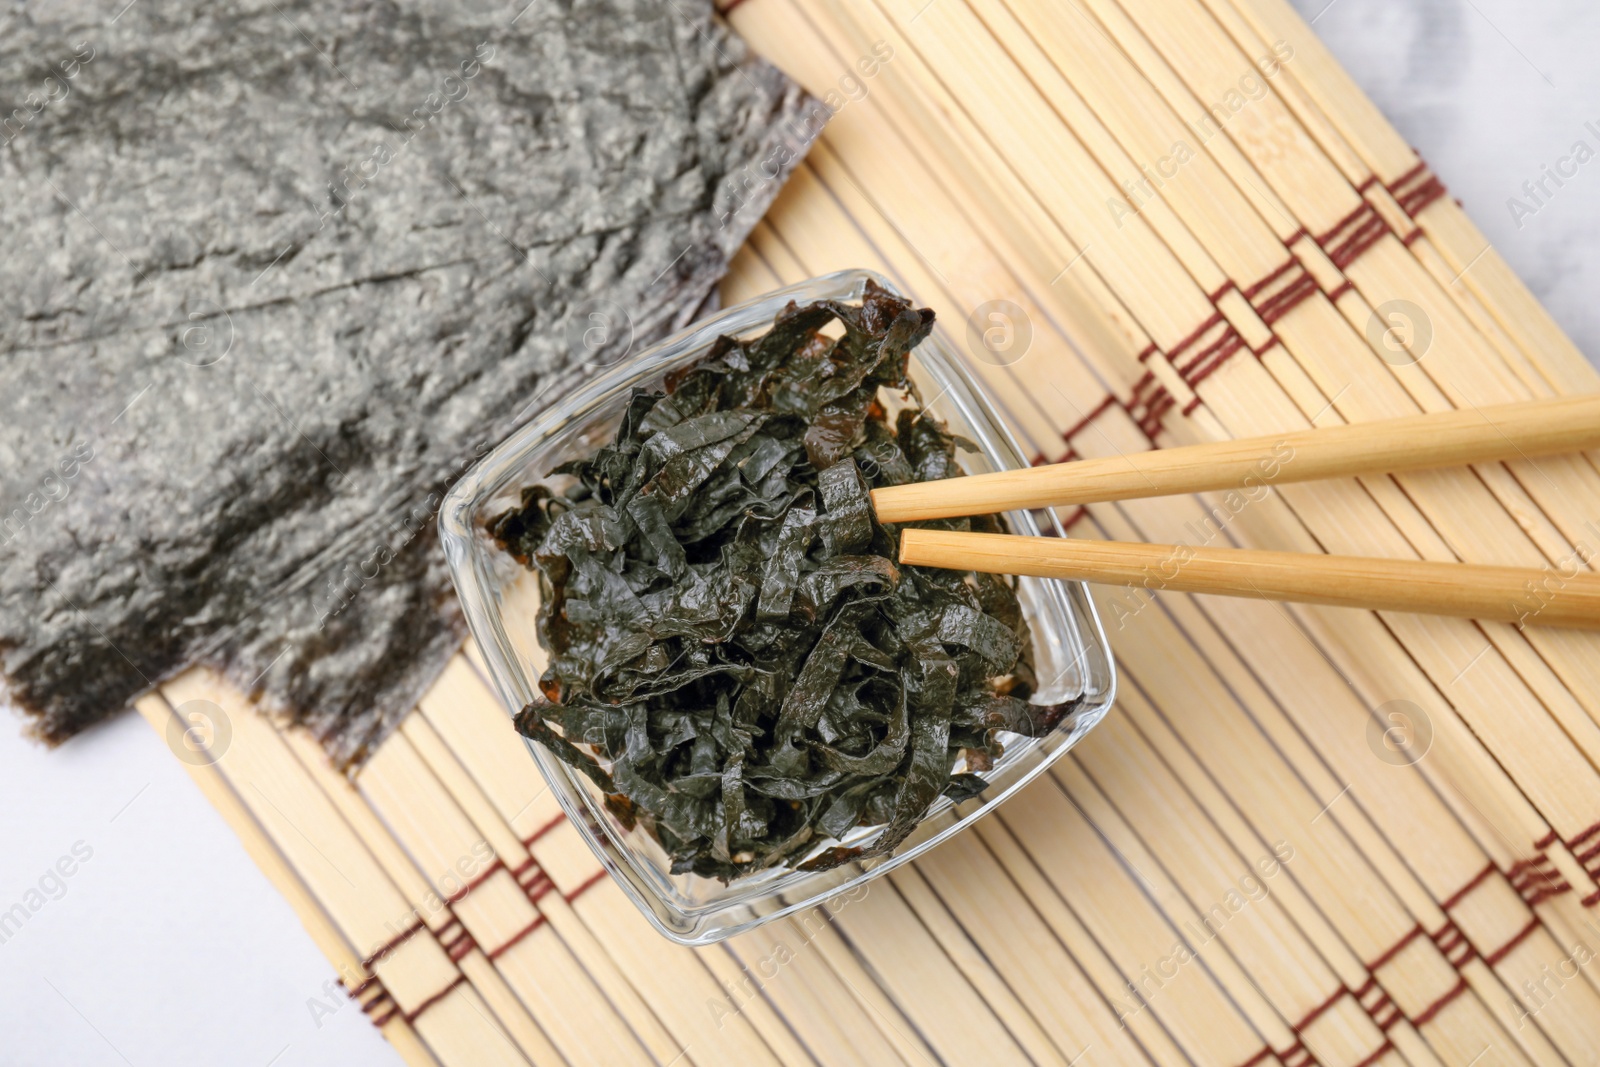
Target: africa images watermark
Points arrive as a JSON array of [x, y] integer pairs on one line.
[[54, 90], [1537, 192], [53, 487], [1400, 331], [390, 538], [1399, 732], [51, 885], [741, 187], [444, 888], [452, 90], [1538, 594], [1538, 994], [811, 922], [199, 732], [999, 332], [1249, 889], [1154, 176], [1129, 601]]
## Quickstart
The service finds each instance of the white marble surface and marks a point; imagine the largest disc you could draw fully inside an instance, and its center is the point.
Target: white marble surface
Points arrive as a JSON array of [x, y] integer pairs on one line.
[[1491, 92], [168, 947]]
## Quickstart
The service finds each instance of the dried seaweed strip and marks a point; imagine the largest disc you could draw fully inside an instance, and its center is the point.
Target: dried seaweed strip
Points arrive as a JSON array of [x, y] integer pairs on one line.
[[782, 577], [736, 659]]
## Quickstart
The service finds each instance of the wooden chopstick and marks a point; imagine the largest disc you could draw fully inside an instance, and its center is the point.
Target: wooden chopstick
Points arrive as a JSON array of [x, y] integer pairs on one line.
[[1441, 439], [1505, 594]]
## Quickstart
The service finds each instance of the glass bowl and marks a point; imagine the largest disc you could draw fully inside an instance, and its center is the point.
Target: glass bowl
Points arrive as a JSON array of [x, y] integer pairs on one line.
[[501, 600]]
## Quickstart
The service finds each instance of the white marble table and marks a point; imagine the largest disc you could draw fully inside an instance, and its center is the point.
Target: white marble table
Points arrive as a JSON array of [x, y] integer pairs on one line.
[[167, 946], [1494, 92]]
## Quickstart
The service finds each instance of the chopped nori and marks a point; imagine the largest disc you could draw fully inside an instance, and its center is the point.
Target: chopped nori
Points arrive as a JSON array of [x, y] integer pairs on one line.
[[736, 659]]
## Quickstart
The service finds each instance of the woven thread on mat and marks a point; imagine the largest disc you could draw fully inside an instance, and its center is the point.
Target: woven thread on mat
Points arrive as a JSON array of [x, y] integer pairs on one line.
[[1537, 879], [1378, 1005], [1149, 402], [1355, 233], [1413, 190], [1281, 292]]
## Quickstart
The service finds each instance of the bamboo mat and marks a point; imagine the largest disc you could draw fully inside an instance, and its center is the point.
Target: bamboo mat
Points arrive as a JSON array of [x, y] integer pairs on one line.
[[1304, 835]]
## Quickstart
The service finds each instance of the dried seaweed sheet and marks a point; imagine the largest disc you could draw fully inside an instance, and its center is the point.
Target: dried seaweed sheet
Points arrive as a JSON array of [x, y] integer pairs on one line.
[[735, 657], [275, 274]]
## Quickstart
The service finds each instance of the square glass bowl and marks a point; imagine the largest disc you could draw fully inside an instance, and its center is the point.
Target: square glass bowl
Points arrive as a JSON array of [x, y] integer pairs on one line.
[[501, 600]]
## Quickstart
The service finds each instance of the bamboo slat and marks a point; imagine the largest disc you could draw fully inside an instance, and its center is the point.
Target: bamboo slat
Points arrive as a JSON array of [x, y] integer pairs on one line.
[[498, 916], [813, 266], [1453, 674], [429, 901], [1428, 913], [1555, 355], [1002, 921], [638, 968], [1347, 384], [1097, 433], [1212, 749], [417, 974], [1265, 963], [1355, 125], [1563, 701], [835, 1026], [1564, 705], [1457, 1036], [477, 732], [327, 937]]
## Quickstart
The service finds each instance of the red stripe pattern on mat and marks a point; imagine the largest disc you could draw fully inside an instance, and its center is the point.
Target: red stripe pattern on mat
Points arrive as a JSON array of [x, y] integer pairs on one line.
[[1355, 233], [1149, 402], [1413, 190]]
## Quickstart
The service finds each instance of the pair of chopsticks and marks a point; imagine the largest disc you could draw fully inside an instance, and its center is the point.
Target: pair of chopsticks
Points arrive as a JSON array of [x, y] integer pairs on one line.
[[1568, 595]]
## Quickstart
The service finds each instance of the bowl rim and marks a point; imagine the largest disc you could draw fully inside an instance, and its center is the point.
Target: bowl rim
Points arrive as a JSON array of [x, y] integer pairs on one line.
[[997, 441]]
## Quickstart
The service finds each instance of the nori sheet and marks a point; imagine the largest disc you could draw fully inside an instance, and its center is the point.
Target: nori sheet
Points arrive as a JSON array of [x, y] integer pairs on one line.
[[276, 273]]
